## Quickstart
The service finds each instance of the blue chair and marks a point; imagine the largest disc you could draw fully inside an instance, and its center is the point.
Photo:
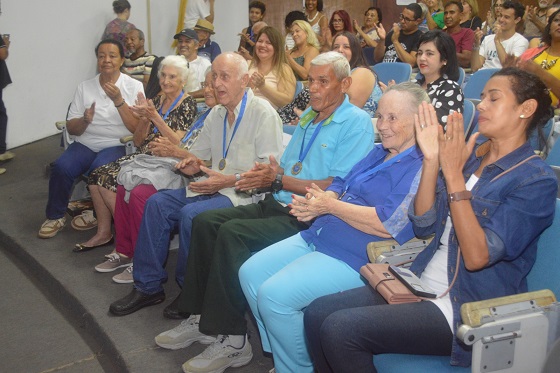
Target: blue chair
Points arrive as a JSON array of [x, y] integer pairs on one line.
[[476, 83], [468, 116], [397, 71], [461, 78], [299, 88], [553, 157], [543, 275]]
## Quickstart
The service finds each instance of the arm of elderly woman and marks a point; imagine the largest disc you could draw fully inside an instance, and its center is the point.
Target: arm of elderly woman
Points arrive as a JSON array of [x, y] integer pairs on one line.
[[363, 82], [281, 95], [319, 202], [114, 93], [450, 152]]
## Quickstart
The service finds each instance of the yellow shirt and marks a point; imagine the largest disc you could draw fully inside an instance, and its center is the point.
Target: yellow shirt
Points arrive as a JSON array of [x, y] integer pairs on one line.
[[554, 70]]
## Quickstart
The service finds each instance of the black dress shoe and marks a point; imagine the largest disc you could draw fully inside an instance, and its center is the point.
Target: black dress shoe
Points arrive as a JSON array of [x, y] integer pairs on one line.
[[134, 301], [172, 311]]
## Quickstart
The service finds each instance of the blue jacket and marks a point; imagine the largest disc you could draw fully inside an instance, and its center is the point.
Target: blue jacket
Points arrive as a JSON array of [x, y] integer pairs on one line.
[[513, 207]]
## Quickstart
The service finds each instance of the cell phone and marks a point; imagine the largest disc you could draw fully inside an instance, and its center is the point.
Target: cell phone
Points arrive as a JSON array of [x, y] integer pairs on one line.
[[412, 282], [6, 36]]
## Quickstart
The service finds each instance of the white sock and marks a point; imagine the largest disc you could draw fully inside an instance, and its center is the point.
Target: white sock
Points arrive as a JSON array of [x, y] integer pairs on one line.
[[237, 341]]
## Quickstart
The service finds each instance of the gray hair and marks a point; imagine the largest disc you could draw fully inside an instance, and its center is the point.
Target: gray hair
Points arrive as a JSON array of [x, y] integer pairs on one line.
[[415, 91], [338, 62], [178, 62], [425, 10]]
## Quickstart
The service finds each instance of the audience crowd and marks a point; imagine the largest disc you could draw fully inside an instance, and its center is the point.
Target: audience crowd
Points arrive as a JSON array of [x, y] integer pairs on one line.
[[276, 222]]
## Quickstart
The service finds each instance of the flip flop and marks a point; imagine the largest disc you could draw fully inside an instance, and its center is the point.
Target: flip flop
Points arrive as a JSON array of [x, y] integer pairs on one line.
[[81, 247]]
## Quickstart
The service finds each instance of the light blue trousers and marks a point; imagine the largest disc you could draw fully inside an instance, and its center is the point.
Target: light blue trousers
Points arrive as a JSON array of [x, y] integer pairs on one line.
[[279, 282]]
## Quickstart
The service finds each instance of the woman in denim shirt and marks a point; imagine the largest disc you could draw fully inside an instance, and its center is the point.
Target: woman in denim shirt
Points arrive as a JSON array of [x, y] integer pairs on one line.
[[501, 202]]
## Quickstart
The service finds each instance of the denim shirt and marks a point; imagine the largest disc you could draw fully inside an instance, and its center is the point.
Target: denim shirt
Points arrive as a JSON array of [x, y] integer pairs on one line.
[[513, 206]]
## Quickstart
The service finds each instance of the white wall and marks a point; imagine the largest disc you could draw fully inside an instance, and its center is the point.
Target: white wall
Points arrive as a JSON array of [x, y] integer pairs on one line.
[[52, 50]]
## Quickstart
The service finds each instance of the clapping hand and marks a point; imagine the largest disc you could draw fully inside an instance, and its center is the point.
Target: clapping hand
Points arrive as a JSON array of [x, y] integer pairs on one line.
[[316, 202], [453, 151], [189, 165], [428, 131], [89, 113], [215, 182], [260, 176], [113, 92]]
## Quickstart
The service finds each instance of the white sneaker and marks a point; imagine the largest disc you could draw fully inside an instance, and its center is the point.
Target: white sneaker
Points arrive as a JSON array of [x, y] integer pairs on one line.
[[51, 227], [183, 335], [219, 356]]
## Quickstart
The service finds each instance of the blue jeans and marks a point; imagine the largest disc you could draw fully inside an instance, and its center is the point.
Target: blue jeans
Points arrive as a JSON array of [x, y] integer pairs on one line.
[[163, 212], [279, 282], [76, 160], [346, 329]]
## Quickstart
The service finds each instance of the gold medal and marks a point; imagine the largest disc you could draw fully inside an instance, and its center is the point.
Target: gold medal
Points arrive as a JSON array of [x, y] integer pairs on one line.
[[296, 168], [222, 164]]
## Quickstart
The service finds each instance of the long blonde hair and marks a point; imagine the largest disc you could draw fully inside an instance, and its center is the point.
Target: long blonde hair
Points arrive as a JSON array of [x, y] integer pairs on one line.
[[311, 35]]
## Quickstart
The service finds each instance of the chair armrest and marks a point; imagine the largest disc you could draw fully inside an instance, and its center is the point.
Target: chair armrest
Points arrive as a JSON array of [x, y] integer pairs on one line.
[[60, 125], [475, 314], [126, 139], [390, 252]]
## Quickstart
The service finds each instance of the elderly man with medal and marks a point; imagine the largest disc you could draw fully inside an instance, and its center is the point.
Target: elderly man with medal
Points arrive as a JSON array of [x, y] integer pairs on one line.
[[331, 137], [241, 130]]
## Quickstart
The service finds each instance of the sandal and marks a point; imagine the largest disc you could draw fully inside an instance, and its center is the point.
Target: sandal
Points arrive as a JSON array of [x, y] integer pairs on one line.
[[85, 221], [81, 247]]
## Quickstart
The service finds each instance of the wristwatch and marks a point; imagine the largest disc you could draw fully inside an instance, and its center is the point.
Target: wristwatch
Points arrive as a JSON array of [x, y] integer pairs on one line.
[[277, 183], [459, 196]]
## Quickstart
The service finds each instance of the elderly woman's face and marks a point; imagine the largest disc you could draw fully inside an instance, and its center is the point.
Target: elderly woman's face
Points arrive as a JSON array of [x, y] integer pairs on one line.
[[395, 122], [109, 59], [170, 80], [209, 95]]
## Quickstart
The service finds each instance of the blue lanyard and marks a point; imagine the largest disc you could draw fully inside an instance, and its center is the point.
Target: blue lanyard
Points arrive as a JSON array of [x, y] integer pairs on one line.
[[198, 124], [239, 117], [358, 178], [168, 110], [303, 152]]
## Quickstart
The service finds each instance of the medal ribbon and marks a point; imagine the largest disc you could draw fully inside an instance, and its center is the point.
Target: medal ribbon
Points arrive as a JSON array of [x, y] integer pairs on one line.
[[357, 178], [303, 152], [239, 117], [160, 111], [199, 123]]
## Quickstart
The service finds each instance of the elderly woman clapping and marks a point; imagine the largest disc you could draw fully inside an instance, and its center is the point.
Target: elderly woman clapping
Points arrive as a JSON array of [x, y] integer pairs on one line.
[[169, 116], [369, 204]]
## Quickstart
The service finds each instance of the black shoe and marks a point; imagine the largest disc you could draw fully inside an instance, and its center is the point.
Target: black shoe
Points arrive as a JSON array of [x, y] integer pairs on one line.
[[172, 311], [134, 301]]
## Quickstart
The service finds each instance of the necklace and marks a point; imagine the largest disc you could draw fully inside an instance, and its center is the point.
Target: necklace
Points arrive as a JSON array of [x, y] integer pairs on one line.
[[546, 64], [312, 19]]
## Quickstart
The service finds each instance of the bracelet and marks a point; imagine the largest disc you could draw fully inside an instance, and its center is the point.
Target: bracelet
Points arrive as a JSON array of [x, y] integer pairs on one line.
[[121, 104]]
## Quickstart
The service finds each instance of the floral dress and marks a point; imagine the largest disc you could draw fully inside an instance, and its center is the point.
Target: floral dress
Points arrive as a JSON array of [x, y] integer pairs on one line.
[[179, 119]]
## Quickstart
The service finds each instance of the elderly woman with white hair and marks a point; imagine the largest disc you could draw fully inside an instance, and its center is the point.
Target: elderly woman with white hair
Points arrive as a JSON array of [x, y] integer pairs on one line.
[[369, 204], [169, 115]]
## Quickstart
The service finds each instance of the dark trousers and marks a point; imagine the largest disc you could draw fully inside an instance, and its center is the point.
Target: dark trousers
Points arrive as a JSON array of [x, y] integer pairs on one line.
[[345, 330], [3, 124], [222, 240]]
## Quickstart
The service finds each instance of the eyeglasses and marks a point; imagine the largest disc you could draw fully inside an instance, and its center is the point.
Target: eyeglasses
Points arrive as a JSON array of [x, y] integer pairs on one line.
[[498, 5], [405, 19]]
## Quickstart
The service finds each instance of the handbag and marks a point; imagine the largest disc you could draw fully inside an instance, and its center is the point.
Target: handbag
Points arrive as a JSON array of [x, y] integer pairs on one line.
[[383, 281]]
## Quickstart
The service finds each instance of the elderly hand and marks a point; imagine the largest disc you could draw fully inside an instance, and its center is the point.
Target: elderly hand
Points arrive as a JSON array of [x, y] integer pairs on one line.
[[89, 113], [527, 65], [260, 176], [315, 203], [215, 182], [162, 147], [244, 53], [356, 26], [189, 166], [453, 151], [428, 131], [113, 92]]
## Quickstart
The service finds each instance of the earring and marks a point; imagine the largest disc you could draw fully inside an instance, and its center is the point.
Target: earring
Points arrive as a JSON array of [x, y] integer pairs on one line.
[[522, 116]]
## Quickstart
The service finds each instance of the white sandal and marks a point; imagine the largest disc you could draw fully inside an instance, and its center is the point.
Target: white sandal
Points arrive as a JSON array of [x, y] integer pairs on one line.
[[85, 221]]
